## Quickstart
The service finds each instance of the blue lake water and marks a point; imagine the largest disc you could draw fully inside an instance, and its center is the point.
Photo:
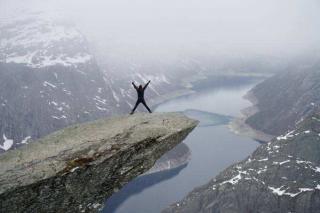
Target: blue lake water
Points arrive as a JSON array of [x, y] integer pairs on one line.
[[213, 148]]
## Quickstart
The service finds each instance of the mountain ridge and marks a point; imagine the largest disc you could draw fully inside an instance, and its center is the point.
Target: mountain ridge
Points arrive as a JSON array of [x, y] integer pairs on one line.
[[280, 176]]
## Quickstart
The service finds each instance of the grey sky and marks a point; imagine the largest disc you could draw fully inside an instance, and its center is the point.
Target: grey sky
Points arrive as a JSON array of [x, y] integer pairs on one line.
[[272, 27]]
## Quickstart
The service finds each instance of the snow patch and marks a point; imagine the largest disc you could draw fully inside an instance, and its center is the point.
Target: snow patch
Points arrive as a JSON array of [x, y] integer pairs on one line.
[[262, 170], [96, 205], [46, 83], [277, 191], [303, 162], [25, 140], [60, 108], [74, 169], [100, 100], [101, 108], [58, 118], [287, 136], [314, 118], [115, 96], [280, 192], [7, 144], [66, 91], [54, 103], [40, 42], [305, 189], [235, 179], [280, 163]]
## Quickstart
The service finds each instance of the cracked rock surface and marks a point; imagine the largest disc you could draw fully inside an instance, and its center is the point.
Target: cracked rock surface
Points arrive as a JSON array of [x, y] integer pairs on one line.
[[77, 168]]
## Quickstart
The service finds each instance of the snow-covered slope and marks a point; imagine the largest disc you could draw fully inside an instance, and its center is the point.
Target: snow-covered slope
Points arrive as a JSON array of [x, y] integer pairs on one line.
[[48, 79], [39, 41], [280, 176], [52, 75], [165, 76], [284, 100]]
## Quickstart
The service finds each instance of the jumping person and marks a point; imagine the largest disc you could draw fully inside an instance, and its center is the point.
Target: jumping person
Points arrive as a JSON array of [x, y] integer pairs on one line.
[[140, 93]]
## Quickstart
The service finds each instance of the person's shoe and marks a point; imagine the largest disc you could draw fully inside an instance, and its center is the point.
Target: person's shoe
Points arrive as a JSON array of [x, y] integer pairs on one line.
[[131, 113]]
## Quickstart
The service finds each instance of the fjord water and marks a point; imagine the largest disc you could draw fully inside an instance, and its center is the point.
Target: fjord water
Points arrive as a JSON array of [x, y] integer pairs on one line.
[[213, 148]]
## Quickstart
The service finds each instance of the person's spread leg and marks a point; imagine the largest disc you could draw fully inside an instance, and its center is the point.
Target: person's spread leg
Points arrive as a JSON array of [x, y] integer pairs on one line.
[[146, 106], [135, 107]]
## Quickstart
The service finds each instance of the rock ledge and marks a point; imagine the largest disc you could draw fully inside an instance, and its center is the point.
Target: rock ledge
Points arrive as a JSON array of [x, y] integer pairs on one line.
[[77, 168]]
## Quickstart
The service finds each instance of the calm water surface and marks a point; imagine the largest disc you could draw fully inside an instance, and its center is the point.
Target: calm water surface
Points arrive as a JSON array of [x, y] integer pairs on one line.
[[213, 149]]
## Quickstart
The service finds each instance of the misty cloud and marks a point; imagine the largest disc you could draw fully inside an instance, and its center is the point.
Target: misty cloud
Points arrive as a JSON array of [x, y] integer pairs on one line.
[[148, 28]]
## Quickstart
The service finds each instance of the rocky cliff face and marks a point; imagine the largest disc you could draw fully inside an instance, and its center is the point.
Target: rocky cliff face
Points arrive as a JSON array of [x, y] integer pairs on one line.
[[75, 169], [280, 176], [285, 99], [53, 75], [49, 79]]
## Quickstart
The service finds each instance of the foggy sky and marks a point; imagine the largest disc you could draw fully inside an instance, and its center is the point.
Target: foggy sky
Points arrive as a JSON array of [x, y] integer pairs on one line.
[[166, 27]]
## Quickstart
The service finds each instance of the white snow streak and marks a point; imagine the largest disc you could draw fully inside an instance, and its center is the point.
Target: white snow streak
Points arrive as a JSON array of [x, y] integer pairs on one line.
[[25, 140], [46, 83], [7, 144]]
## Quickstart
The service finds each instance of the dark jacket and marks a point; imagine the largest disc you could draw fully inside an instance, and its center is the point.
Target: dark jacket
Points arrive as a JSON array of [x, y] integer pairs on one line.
[[140, 90]]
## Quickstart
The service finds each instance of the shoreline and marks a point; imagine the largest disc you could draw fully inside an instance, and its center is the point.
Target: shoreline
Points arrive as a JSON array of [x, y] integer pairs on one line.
[[237, 125], [189, 89], [170, 96], [240, 127]]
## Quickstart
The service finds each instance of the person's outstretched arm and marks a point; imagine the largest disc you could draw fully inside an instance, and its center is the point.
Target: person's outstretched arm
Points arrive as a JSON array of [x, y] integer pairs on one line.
[[145, 86], [134, 85]]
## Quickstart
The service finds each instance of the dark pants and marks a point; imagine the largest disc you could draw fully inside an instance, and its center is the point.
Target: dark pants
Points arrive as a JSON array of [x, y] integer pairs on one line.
[[138, 102]]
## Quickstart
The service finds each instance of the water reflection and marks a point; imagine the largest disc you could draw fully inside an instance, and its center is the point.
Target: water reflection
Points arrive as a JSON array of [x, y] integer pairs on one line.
[[214, 147], [138, 185]]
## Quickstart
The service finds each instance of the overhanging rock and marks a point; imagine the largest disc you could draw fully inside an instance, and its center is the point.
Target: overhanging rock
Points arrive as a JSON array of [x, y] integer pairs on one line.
[[77, 168]]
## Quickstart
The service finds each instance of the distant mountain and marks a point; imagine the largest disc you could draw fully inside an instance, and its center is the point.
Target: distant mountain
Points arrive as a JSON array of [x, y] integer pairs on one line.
[[280, 176], [52, 76], [286, 99], [48, 80]]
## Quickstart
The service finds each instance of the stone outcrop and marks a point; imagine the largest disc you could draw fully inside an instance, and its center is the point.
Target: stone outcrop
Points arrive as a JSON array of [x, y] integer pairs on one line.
[[77, 168], [280, 176]]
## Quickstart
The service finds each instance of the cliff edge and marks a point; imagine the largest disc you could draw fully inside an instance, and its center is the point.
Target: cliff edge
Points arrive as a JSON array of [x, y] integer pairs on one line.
[[77, 168]]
